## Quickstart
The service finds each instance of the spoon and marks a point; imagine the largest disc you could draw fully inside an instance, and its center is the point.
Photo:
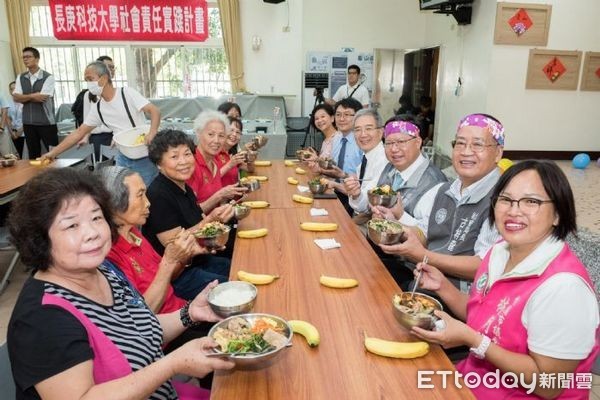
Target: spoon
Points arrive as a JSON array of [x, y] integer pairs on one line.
[[412, 294]]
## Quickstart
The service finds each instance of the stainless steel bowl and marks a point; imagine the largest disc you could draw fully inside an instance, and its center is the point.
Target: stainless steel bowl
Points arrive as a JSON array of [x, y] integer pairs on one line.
[[388, 238], [251, 185], [385, 200], [230, 310], [214, 242], [317, 188], [326, 163], [261, 360], [408, 320], [7, 162], [241, 211]]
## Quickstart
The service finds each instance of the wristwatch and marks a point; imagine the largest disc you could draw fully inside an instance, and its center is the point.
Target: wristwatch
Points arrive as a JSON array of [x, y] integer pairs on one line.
[[479, 351]]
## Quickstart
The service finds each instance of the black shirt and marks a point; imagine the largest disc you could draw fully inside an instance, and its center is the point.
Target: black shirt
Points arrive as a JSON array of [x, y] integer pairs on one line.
[[170, 207]]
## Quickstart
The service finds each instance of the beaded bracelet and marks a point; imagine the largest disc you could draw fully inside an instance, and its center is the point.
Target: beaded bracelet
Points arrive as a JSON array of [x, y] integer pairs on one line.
[[184, 315]]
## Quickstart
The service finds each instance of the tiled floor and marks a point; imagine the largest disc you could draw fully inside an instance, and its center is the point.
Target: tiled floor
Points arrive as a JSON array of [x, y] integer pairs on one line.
[[585, 184]]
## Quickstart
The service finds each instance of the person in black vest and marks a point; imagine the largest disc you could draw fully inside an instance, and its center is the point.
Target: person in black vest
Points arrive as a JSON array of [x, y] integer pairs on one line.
[[35, 89], [453, 216]]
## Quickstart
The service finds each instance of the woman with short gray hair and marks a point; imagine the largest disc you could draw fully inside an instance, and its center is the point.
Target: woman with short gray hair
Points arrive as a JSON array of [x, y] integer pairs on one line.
[[211, 129], [133, 254]]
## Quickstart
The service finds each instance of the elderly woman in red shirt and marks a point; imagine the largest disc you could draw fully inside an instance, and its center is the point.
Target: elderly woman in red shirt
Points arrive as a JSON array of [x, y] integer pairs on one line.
[[229, 160], [211, 129]]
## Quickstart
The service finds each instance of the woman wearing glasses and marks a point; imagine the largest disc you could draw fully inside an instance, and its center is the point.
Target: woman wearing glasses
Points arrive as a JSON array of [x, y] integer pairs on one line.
[[532, 309]]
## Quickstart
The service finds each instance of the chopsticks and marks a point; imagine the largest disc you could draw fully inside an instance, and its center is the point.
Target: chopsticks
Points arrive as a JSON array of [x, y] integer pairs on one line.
[[425, 259]]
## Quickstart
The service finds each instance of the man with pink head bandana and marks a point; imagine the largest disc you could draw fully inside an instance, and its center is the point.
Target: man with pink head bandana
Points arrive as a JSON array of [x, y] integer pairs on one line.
[[453, 215]]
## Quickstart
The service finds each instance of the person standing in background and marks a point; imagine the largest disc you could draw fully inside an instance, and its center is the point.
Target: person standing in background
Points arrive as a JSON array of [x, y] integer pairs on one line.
[[35, 90], [353, 88], [425, 119], [14, 122]]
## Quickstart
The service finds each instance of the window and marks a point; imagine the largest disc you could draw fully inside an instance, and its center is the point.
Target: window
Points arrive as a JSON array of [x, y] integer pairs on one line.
[[155, 69]]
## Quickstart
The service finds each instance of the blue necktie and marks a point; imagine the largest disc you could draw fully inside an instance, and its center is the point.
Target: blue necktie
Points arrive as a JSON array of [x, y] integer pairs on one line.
[[342, 155], [398, 181]]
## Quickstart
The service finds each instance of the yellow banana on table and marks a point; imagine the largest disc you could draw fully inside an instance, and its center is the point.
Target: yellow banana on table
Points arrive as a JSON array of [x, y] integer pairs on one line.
[[290, 163], [256, 204], [253, 233], [338, 283], [318, 226], [300, 171], [302, 199], [262, 163], [292, 181], [261, 178], [306, 329], [256, 279], [391, 349]]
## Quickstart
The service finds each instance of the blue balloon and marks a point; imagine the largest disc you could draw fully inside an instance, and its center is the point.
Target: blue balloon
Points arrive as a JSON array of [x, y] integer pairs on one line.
[[581, 160]]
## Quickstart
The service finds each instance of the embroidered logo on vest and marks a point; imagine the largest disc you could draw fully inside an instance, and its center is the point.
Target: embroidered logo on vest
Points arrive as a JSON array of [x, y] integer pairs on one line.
[[481, 282], [440, 215]]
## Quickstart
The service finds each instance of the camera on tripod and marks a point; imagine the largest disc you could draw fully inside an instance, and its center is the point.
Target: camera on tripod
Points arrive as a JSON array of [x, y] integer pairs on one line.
[[317, 81]]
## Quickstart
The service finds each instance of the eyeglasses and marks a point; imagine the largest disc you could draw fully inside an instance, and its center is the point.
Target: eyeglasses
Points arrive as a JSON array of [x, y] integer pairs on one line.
[[476, 147], [344, 115], [527, 205], [401, 144], [368, 129]]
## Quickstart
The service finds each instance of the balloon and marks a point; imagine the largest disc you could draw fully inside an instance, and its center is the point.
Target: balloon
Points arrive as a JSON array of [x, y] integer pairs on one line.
[[581, 160], [505, 164]]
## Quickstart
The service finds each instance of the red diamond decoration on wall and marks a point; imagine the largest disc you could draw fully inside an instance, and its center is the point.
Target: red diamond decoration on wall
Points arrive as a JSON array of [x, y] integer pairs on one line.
[[554, 69], [598, 72], [520, 22]]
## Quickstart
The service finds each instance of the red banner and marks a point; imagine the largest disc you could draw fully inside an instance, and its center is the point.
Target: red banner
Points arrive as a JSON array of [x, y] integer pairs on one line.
[[140, 20]]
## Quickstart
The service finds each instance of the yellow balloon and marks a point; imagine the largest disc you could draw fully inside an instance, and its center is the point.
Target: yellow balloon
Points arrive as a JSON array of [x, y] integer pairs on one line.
[[505, 164]]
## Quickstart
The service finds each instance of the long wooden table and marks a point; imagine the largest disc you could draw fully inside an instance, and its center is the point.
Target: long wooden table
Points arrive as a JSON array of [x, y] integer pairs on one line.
[[340, 367], [12, 178]]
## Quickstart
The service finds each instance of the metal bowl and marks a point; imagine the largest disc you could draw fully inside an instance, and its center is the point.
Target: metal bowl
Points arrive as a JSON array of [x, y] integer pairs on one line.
[[260, 141], [250, 156], [230, 310], [408, 320], [252, 184], [241, 211], [385, 200], [317, 188], [326, 163], [214, 242], [7, 162], [261, 360], [388, 238]]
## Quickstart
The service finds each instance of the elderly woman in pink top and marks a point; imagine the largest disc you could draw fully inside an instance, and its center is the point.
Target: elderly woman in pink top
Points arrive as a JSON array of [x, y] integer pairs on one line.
[[532, 312]]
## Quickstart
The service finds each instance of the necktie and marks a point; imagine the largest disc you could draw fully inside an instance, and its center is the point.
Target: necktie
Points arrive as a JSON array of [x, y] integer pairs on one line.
[[363, 167], [342, 155], [398, 181]]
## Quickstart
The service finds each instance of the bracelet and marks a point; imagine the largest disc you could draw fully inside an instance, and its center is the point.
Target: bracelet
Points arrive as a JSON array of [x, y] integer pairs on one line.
[[479, 351], [184, 315]]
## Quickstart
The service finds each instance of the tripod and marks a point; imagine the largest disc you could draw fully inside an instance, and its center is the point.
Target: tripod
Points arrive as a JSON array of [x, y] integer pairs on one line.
[[319, 98]]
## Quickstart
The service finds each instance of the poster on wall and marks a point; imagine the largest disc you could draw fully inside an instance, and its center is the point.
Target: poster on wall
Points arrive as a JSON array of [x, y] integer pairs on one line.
[[131, 20]]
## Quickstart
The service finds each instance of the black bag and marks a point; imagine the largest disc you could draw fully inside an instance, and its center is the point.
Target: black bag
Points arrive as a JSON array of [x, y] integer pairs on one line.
[[77, 108]]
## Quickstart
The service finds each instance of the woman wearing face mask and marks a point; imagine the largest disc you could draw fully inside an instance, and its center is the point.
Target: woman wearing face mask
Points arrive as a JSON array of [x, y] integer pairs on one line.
[[118, 109]]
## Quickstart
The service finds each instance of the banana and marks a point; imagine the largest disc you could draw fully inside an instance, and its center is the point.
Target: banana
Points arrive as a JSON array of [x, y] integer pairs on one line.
[[264, 163], [308, 330], [387, 348], [37, 163], [292, 181], [253, 233], [300, 171], [338, 283], [256, 204], [302, 199], [290, 163], [258, 177], [256, 279], [318, 226]]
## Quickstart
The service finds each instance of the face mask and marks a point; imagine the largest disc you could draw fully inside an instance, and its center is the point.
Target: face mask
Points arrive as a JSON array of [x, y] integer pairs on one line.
[[94, 88]]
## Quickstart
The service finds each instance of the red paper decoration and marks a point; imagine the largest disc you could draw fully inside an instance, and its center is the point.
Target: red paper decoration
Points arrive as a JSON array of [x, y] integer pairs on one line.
[[554, 69], [520, 22]]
